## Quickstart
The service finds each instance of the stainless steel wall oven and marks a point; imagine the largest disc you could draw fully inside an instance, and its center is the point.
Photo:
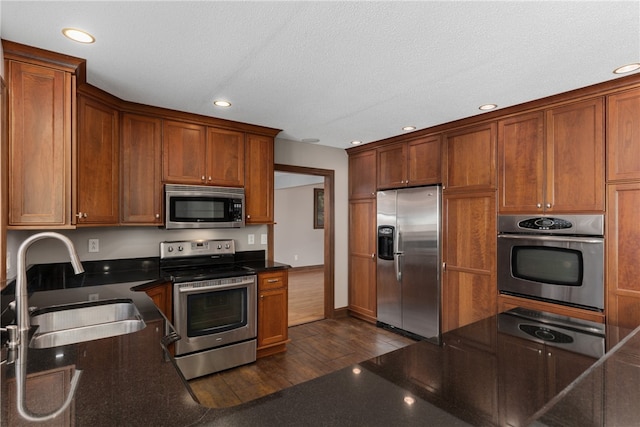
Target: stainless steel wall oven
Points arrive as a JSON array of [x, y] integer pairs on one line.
[[214, 306], [554, 259]]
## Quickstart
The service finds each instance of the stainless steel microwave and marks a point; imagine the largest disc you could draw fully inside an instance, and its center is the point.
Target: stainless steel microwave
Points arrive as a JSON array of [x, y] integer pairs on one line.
[[200, 206]]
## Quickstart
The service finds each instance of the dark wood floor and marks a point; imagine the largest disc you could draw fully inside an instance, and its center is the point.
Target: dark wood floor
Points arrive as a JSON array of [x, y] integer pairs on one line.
[[316, 349]]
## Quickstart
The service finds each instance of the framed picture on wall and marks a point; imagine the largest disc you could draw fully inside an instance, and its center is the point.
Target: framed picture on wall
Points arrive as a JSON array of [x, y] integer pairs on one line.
[[318, 208]]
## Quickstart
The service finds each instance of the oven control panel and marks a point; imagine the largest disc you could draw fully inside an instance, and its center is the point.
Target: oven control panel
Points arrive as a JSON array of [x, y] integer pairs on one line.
[[193, 248]]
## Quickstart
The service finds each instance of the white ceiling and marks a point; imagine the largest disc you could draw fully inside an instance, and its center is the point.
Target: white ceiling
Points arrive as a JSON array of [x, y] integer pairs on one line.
[[336, 71]]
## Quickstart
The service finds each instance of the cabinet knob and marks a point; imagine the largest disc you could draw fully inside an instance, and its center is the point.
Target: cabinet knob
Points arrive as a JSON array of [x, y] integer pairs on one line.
[[210, 179], [539, 205], [548, 205], [373, 256], [157, 216], [248, 216], [202, 177]]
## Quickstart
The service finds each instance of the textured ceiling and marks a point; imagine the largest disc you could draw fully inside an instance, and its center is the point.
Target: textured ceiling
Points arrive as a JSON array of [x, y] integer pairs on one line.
[[336, 71]]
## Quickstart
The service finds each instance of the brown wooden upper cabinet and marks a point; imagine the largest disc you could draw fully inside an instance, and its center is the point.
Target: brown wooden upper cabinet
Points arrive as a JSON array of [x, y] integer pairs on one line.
[[141, 170], [258, 179], [553, 161], [40, 145], [623, 136], [411, 163], [97, 198], [362, 175], [469, 160], [225, 157]]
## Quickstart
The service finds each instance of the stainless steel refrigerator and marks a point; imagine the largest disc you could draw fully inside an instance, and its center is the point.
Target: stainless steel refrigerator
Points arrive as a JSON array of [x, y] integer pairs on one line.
[[408, 267]]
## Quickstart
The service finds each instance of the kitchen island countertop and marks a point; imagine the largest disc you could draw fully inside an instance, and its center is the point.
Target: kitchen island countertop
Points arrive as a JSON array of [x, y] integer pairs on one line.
[[130, 380]]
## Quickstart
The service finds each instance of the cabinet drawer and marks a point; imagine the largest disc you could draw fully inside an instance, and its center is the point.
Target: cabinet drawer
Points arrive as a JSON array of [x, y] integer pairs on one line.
[[272, 280]]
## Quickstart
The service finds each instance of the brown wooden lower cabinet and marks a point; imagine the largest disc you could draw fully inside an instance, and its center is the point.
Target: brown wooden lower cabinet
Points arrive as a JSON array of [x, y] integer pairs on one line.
[[161, 294], [362, 259], [273, 321]]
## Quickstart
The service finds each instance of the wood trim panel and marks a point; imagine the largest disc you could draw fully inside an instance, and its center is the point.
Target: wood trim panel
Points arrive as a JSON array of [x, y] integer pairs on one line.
[[329, 230]]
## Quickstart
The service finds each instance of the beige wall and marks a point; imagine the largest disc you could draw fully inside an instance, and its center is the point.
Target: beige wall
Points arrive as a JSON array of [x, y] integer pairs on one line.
[[322, 157], [295, 240]]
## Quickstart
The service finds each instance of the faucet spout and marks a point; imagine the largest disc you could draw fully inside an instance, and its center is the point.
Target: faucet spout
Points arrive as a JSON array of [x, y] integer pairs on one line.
[[22, 306]]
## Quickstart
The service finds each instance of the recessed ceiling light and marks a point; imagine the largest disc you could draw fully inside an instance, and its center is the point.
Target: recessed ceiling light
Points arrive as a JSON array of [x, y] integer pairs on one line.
[[221, 103], [627, 68], [409, 128], [310, 140], [356, 142], [77, 35], [487, 107]]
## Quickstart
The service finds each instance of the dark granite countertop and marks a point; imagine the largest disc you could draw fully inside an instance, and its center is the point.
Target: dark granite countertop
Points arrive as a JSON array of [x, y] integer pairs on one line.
[[479, 375]]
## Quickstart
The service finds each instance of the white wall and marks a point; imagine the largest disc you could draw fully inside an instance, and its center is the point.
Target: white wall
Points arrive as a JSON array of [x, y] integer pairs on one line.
[[296, 242], [319, 156]]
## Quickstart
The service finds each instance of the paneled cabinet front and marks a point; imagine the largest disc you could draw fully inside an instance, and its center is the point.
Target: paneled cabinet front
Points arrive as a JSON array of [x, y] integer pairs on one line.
[[409, 164], [553, 160], [272, 312], [362, 259], [258, 179], [195, 154], [98, 163], [40, 145], [469, 161], [141, 170]]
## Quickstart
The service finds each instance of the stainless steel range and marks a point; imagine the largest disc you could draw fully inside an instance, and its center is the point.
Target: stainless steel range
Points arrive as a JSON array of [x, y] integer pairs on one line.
[[214, 306]]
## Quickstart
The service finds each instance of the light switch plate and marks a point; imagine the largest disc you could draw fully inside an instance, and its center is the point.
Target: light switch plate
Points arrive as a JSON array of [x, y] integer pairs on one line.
[[263, 239]]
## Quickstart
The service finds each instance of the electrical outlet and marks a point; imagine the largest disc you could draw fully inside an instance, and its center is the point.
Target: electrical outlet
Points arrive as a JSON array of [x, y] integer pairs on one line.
[[94, 297], [94, 245], [295, 257], [252, 239], [263, 239]]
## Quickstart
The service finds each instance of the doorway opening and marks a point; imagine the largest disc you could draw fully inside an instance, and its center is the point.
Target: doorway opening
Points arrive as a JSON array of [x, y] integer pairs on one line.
[[311, 283]]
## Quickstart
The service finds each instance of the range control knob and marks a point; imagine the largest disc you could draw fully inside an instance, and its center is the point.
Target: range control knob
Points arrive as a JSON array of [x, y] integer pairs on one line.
[[180, 248], [170, 249], [227, 246]]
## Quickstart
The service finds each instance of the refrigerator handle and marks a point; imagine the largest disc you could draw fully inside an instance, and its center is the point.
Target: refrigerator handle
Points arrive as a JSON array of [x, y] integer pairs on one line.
[[397, 263]]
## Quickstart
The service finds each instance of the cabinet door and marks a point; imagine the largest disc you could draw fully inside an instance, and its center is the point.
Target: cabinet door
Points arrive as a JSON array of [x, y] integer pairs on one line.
[[521, 163], [623, 136], [258, 179], [272, 317], [424, 161], [470, 158], [225, 157], [40, 102], [141, 170], [623, 254], [469, 245], [362, 259], [392, 166], [98, 161], [362, 175], [162, 298], [575, 157], [521, 378], [183, 153]]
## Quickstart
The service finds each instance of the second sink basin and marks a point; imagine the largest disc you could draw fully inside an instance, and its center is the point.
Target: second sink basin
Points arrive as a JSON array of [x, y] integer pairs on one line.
[[87, 321]]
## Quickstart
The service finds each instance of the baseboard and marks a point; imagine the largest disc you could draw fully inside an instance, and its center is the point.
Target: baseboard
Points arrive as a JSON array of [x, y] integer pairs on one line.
[[340, 313]]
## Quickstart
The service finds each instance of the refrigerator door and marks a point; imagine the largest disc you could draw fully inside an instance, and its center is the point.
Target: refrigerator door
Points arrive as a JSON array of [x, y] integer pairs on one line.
[[418, 231], [389, 298]]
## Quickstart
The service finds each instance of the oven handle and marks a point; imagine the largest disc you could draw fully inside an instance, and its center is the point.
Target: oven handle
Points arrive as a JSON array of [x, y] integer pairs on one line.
[[242, 284], [573, 239]]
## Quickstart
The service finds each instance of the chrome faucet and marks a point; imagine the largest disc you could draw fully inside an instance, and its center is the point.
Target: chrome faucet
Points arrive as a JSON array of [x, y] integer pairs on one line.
[[22, 304], [23, 326]]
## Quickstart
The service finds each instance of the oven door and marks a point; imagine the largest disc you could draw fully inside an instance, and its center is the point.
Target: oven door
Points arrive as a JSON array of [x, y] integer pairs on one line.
[[214, 313], [561, 269]]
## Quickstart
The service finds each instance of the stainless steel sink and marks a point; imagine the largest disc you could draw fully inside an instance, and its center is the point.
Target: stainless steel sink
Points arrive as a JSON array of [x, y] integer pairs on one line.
[[87, 321]]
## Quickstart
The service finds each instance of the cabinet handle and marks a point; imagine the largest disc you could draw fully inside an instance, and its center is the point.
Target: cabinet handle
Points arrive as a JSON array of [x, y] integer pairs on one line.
[[444, 266], [248, 216], [539, 351], [273, 280], [210, 179], [373, 256], [202, 177], [539, 205], [261, 296], [157, 216], [81, 214], [548, 205]]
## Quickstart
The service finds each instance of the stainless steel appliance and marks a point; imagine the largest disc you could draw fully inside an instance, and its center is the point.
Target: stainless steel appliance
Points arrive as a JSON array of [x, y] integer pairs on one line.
[[408, 267], [200, 206], [555, 259], [571, 334], [214, 306]]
